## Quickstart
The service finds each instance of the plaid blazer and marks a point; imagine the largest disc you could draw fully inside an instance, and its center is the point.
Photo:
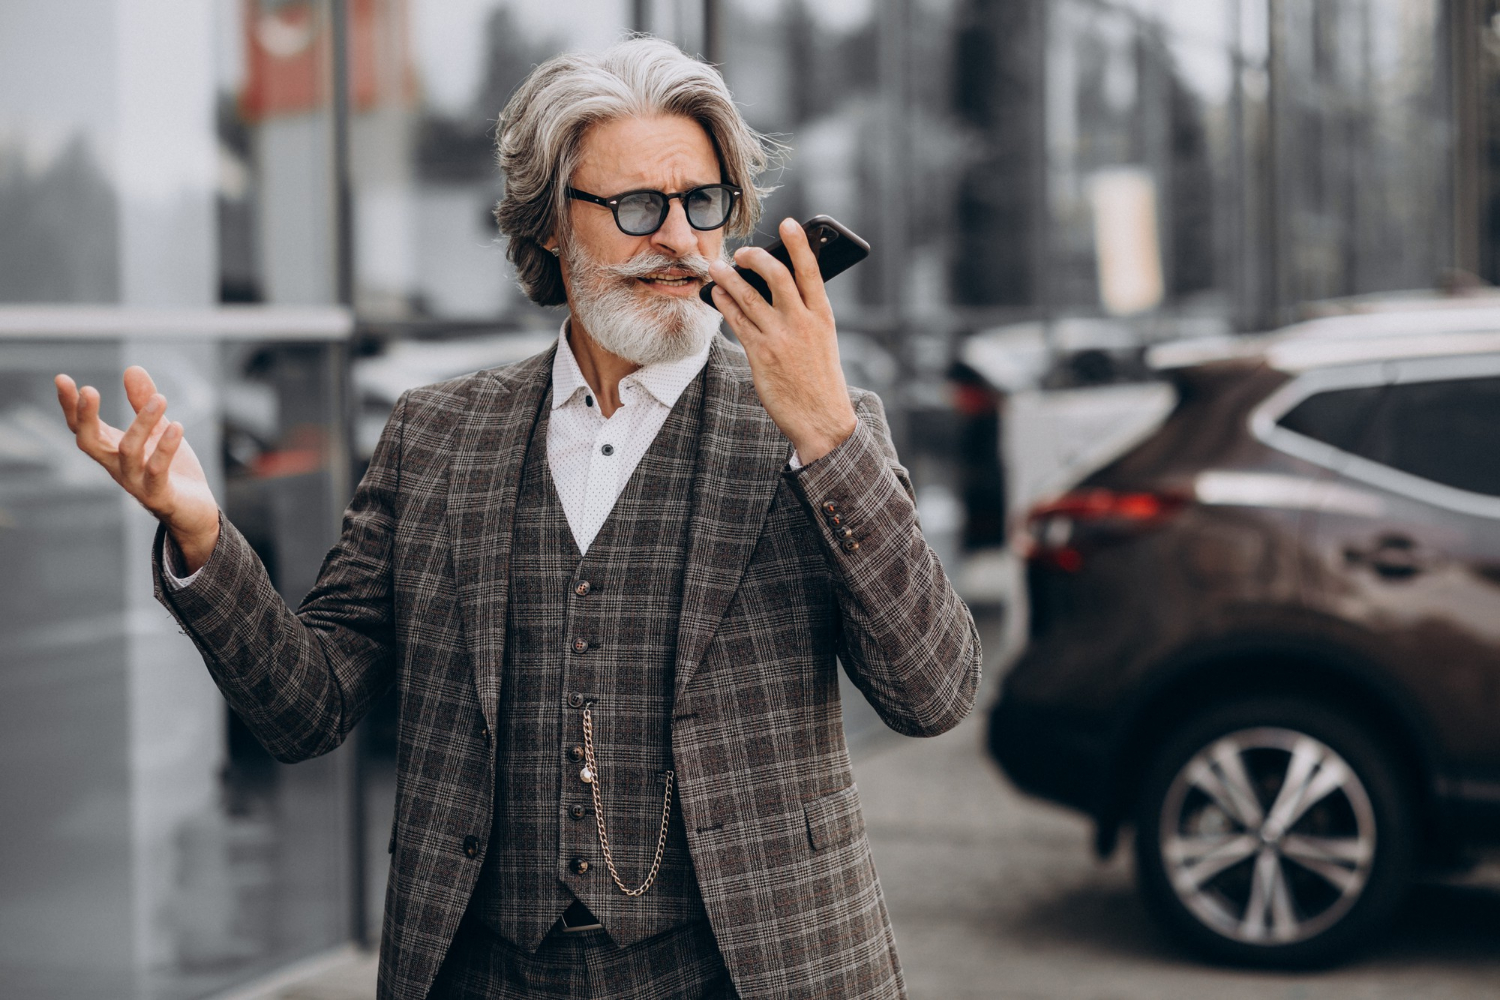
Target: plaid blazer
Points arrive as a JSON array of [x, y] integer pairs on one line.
[[786, 571]]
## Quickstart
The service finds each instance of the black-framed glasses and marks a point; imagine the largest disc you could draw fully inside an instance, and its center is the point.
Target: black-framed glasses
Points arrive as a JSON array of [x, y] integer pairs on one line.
[[641, 213]]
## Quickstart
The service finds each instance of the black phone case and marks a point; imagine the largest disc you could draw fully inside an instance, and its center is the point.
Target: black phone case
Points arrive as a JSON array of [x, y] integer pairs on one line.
[[837, 247]]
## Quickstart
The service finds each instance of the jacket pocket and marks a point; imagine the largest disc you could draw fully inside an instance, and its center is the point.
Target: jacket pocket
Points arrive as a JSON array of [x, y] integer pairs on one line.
[[834, 820]]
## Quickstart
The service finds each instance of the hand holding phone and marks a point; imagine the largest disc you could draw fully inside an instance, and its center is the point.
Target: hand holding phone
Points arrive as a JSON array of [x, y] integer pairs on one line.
[[792, 344], [837, 247]]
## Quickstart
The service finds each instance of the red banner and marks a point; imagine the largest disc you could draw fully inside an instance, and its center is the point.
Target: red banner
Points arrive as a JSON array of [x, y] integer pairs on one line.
[[288, 56]]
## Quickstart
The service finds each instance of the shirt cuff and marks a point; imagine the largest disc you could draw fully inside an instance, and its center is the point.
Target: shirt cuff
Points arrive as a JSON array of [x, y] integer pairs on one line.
[[794, 462], [171, 564]]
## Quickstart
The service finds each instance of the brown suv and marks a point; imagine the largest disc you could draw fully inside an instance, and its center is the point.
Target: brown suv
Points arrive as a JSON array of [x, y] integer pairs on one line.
[[1269, 635]]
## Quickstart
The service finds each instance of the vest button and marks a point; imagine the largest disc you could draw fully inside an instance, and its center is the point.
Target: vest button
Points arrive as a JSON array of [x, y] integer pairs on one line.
[[576, 753], [583, 588], [580, 866], [471, 846], [580, 646], [576, 811], [575, 700]]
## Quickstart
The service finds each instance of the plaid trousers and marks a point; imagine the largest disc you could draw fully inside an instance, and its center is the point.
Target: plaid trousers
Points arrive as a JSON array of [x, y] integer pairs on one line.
[[680, 964]]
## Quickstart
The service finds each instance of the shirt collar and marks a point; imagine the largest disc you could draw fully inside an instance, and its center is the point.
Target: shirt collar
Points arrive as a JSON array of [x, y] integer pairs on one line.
[[567, 379], [663, 381]]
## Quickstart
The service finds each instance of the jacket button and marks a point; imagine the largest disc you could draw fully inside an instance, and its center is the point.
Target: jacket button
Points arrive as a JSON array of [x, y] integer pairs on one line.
[[829, 510], [576, 811], [575, 700], [576, 753], [844, 532], [582, 588], [471, 846], [850, 545], [484, 733], [580, 866], [580, 645]]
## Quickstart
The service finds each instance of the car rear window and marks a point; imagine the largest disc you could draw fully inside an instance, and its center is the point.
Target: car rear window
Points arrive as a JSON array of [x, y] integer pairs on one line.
[[1340, 417], [1444, 431]]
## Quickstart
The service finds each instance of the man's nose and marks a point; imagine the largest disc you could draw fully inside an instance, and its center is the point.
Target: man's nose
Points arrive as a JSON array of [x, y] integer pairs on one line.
[[676, 237]]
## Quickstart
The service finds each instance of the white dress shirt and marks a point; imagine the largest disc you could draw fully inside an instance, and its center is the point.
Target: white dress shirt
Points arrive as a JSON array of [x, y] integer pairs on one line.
[[591, 458]]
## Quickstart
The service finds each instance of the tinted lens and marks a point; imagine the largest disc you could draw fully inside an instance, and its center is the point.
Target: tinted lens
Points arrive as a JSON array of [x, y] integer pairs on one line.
[[640, 213], [708, 207]]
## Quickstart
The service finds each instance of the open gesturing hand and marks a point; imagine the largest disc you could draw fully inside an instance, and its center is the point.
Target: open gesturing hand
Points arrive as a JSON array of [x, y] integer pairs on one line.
[[792, 345], [150, 459]]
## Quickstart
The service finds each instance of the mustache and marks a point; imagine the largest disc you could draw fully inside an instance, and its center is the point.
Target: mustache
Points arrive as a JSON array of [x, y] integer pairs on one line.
[[651, 263]]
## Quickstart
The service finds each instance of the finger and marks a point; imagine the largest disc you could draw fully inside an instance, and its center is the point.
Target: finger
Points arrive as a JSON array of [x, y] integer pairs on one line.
[[160, 462], [743, 327], [132, 446], [89, 429], [783, 288], [67, 398], [92, 430], [139, 388], [157, 430], [805, 263], [744, 295]]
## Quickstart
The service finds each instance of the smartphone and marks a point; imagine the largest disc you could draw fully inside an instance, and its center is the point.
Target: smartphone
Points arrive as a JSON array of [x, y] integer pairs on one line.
[[836, 246]]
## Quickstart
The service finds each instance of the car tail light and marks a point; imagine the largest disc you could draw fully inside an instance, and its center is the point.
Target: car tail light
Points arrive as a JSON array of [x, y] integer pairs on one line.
[[1058, 530]]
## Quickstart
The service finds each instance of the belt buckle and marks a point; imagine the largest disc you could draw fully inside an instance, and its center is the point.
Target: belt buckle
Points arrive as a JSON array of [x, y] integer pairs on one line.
[[579, 928]]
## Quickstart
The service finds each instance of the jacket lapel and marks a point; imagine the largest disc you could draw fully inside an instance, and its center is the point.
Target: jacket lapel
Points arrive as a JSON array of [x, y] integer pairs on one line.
[[740, 457], [484, 479]]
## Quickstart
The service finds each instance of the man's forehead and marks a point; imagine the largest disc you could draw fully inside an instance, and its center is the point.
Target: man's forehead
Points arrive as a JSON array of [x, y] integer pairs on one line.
[[666, 151]]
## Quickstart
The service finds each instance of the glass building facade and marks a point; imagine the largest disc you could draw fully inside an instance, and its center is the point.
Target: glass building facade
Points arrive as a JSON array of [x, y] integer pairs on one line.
[[182, 185], [151, 849]]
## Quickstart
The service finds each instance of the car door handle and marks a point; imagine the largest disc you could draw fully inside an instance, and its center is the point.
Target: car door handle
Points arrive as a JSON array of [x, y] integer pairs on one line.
[[1395, 557]]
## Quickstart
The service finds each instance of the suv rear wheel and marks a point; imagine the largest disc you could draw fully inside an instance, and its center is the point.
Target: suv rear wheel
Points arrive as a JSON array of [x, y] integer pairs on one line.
[[1273, 832]]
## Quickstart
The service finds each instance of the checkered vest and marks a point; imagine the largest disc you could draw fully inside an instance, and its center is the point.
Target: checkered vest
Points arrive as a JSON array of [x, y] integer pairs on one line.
[[601, 630]]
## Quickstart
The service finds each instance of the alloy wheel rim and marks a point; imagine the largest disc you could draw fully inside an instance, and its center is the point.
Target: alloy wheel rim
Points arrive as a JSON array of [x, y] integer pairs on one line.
[[1267, 836]]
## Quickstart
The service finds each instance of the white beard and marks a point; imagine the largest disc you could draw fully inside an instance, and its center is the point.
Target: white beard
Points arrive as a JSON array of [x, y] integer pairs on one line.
[[631, 323]]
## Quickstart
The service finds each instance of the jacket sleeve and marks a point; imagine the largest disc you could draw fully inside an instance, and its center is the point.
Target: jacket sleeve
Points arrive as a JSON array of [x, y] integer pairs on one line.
[[908, 642], [301, 680]]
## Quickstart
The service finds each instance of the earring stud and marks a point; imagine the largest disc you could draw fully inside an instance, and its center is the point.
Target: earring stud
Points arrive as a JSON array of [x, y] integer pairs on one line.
[[555, 250]]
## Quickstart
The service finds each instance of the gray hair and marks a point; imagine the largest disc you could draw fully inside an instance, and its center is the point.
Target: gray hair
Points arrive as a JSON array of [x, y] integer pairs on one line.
[[542, 128]]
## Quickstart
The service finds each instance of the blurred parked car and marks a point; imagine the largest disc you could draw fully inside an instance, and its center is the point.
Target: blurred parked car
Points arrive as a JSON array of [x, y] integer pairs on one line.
[[1077, 393], [1268, 636]]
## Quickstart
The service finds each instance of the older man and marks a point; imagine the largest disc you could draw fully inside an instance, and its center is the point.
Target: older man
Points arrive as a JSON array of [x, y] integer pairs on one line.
[[610, 584]]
